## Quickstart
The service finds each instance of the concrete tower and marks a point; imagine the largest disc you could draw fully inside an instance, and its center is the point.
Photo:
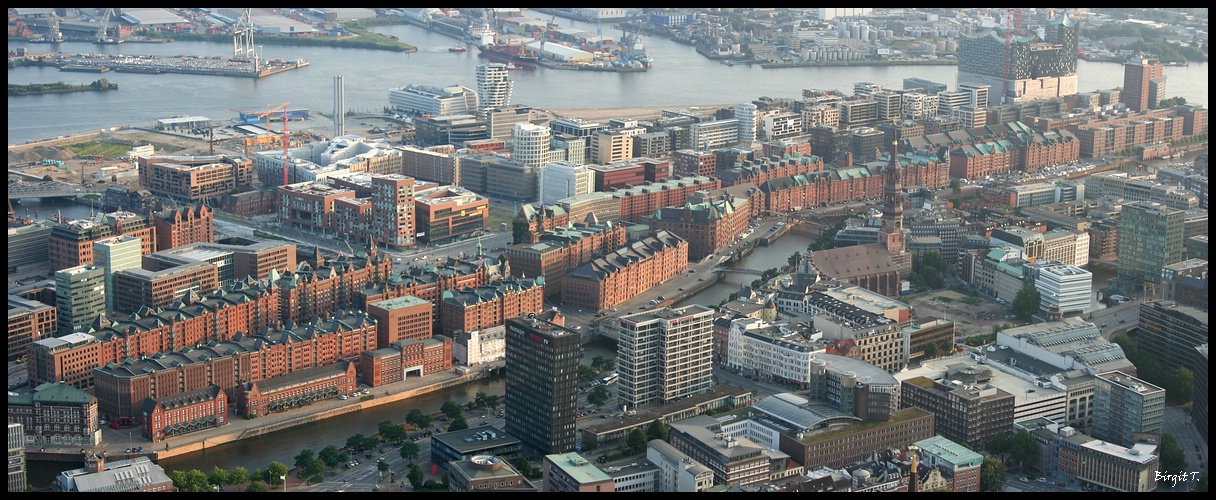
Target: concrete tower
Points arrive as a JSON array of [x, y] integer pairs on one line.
[[339, 108]]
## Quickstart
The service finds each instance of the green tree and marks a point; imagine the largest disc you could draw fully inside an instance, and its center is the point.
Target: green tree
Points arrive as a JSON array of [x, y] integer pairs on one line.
[[1202, 487], [955, 186], [419, 418], [331, 456], [1026, 303], [598, 396], [1024, 449], [585, 374], [218, 477], [314, 468], [382, 466], [305, 456], [999, 444], [599, 363], [415, 476], [458, 424], [590, 442], [1172, 456], [452, 409], [410, 451], [1181, 386], [275, 472], [794, 259], [47, 178], [355, 443], [257, 487], [992, 475], [656, 430], [636, 440], [238, 476], [392, 432]]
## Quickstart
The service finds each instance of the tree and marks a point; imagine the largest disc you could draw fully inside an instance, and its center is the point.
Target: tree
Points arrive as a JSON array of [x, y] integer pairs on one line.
[[458, 424], [306, 456], [410, 451], [218, 477], [451, 408], [47, 178], [355, 443], [480, 398], [598, 396], [314, 468], [955, 186], [656, 430], [599, 363], [1024, 449], [590, 442], [585, 374], [1026, 303], [257, 487], [382, 466], [275, 472], [493, 400], [238, 475], [992, 475], [1202, 487], [636, 440], [794, 259], [999, 444], [1172, 457], [1181, 385], [415, 475], [391, 432], [419, 418], [331, 456]]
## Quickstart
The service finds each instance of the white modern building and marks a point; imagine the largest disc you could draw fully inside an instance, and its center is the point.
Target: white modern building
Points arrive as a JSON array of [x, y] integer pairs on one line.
[[664, 355], [748, 116], [769, 352], [481, 346], [715, 134], [531, 145], [563, 179], [1064, 289], [677, 471], [115, 254], [434, 101], [80, 296], [493, 88]]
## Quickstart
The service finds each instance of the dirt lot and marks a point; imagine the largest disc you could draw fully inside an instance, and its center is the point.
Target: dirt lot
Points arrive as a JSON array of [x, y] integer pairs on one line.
[[968, 319]]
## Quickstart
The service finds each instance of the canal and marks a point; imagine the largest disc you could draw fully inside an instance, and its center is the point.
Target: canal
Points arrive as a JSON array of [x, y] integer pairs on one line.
[[775, 255]]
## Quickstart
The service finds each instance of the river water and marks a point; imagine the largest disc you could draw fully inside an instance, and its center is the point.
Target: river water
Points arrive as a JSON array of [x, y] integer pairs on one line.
[[680, 78]]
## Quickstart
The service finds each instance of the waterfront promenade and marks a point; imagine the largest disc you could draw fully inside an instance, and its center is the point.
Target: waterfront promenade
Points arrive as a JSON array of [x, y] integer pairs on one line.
[[116, 441]]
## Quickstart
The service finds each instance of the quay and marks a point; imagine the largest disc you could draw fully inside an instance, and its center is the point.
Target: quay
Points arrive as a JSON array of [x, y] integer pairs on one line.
[[151, 64]]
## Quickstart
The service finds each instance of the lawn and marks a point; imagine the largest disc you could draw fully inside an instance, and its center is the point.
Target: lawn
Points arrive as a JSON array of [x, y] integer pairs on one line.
[[107, 149]]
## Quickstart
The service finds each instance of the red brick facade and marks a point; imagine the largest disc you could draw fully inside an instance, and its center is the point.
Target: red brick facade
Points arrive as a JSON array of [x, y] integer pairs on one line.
[[606, 282]]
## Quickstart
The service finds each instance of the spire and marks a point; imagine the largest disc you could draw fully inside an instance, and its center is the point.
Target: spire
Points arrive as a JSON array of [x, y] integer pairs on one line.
[[480, 253]]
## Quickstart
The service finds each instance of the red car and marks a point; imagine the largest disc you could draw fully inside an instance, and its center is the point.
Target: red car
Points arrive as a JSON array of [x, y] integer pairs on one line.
[[1060, 485]]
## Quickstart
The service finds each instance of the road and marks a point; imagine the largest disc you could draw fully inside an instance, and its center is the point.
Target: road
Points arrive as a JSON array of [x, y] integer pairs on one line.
[[1117, 319], [1178, 424]]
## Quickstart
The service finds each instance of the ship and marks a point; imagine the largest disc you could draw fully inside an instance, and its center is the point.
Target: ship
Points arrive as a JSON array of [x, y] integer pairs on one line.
[[517, 54], [458, 49]]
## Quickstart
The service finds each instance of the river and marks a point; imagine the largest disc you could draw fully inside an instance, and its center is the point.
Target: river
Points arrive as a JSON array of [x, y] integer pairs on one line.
[[679, 79]]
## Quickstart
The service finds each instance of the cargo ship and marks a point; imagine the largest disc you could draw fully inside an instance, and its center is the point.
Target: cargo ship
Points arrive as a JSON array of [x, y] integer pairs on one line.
[[517, 54], [458, 49]]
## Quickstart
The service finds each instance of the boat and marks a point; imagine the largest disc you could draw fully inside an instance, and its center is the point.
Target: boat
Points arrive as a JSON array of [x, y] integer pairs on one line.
[[458, 49], [728, 62], [512, 67], [517, 54]]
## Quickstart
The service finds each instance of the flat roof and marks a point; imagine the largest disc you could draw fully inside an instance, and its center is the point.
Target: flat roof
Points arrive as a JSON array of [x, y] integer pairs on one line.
[[400, 302]]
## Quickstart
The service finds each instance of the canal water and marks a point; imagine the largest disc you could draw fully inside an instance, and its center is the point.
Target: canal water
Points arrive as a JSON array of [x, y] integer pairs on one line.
[[775, 255]]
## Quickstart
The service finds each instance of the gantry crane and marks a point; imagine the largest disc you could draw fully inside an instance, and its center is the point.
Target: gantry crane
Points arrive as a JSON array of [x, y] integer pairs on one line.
[[104, 25], [286, 142]]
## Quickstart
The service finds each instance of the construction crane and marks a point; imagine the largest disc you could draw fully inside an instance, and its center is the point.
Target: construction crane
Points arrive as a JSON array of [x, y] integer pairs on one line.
[[104, 25], [286, 142], [56, 35]]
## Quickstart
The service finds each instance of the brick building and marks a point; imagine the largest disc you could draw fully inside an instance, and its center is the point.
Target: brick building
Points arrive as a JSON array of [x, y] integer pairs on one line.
[[607, 281], [981, 160], [707, 227], [562, 248], [839, 447], [182, 226], [190, 411], [446, 213], [194, 178], [402, 318], [405, 358], [56, 414], [477, 308], [71, 244], [309, 206], [629, 173], [28, 321], [326, 288], [531, 221], [295, 389]]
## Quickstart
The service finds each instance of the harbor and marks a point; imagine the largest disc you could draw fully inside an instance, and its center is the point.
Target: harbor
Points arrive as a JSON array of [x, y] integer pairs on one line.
[[153, 64]]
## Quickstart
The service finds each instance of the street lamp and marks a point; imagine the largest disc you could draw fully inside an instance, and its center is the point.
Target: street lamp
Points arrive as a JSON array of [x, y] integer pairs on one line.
[[284, 478]]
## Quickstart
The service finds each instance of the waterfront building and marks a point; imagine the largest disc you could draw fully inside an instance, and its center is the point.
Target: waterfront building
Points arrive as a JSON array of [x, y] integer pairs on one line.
[[475, 308], [1125, 406], [605, 282], [299, 388], [479, 346], [434, 101], [28, 243], [530, 145], [405, 358], [542, 382], [80, 296], [664, 355], [1138, 83], [55, 415], [139, 474], [707, 227], [486, 473], [28, 321], [748, 117], [493, 88], [184, 413], [114, 255], [714, 134], [195, 179], [1150, 238], [1031, 69]]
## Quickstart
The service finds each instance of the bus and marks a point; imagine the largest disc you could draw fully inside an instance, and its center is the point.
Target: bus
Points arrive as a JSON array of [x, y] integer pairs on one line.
[[608, 379]]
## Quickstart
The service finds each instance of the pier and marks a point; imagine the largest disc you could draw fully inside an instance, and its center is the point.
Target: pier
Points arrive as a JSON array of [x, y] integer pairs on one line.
[[151, 64]]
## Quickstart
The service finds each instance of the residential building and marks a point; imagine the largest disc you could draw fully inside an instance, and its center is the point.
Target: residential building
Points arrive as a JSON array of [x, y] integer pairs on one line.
[[80, 296], [309, 206], [664, 355], [530, 145], [434, 101], [493, 88], [448, 213], [1138, 82], [183, 226], [542, 383], [714, 134], [194, 178], [393, 208]]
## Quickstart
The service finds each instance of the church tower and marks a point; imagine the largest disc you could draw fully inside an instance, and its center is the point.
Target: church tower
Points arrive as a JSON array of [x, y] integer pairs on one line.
[[892, 235]]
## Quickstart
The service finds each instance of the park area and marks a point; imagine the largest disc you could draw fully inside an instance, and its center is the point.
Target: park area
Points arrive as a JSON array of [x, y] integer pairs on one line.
[[972, 314]]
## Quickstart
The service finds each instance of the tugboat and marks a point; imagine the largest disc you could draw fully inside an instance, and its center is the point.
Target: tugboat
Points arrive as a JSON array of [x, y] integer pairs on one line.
[[458, 49]]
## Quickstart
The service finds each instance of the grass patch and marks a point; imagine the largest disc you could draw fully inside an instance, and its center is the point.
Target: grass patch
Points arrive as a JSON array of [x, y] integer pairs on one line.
[[497, 217], [973, 301], [945, 299], [108, 149]]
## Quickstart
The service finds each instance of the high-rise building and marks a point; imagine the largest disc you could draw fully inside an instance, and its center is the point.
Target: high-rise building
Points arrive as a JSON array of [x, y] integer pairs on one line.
[[393, 222], [1022, 68], [562, 179], [748, 116], [1137, 78], [80, 296], [493, 87], [114, 255], [1150, 238], [977, 91], [28, 322], [1124, 406], [339, 107], [542, 384], [531, 145], [1199, 403], [16, 459], [664, 355], [1170, 331]]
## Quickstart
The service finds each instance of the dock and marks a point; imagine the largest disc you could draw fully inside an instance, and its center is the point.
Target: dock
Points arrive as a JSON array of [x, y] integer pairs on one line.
[[194, 65]]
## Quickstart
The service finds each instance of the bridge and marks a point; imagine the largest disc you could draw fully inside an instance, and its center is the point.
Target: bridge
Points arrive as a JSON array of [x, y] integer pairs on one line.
[[48, 189], [740, 271]]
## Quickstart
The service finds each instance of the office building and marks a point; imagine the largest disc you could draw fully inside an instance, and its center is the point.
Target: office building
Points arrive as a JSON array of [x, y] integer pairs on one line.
[[1137, 82], [664, 355], [80, 296], [962, 463], [170, 279], [1125, 406], [1064, 290], [733, 457], [605, 282], [707, 227], [448, 213], [1170, 331], [28, 322], [1150, 238], [434, 101], [402, 318], [611, 146], [571, 473], [486, 473], [27, 244], [677, 472], [563, 179], [978, 93], [493, 88], [542, 384], [114, 255], [17, 482], [56, 414], [966, 411], [183, 226], [714, 134], [530, 146], [71, 242]]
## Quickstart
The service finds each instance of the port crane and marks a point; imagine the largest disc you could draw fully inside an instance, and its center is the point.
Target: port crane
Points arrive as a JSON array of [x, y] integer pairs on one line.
[[103, 26], [56, 35]]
